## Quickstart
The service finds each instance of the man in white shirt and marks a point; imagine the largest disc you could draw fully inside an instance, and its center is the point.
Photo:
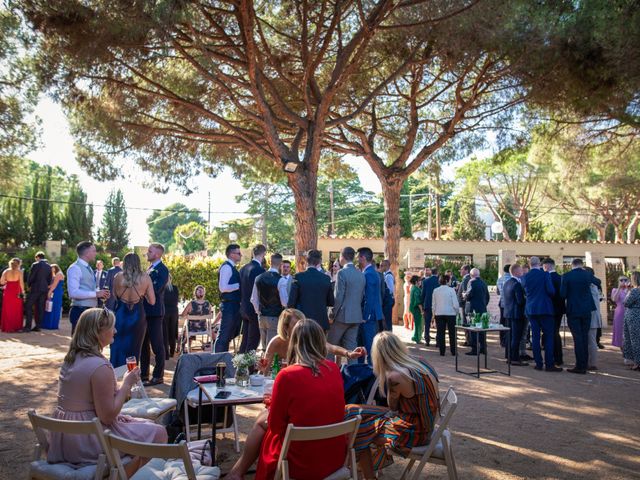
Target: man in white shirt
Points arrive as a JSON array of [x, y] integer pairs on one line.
[[229, 286], [284, 285], [81, 283], [387, 306]]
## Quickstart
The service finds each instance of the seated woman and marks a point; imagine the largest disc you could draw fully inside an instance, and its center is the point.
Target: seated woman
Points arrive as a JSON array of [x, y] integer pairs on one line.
[[280, 343], [307, 393], [88, 388], [200, 307], [412, 393]]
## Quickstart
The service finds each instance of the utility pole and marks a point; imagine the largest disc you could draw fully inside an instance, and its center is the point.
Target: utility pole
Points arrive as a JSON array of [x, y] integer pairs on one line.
[[410, 215], [332, 230], [265, 213], [429, 215], [209, 212]]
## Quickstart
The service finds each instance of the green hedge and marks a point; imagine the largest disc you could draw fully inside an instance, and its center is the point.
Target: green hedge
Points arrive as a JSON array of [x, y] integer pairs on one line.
[[187, 272]]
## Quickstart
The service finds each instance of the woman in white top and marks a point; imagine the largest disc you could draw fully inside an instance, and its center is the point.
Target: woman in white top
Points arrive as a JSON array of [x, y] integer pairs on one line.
[[445, 308]]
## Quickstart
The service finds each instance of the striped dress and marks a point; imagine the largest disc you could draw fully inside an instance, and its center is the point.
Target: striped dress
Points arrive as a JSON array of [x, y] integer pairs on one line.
[[410, 426]]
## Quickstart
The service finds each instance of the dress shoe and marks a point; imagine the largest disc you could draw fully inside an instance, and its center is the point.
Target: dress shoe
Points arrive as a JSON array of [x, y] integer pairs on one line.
[[601, 346], [576, 370], [153, 381], [466, 344], [592, 369], [35, 329], [538, 367], [559, 364], [519, 364], [472, 353], [25, 330], [553, 369]]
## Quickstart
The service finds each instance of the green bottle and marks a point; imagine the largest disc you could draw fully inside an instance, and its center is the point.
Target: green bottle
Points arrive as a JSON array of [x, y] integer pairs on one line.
[[458, 320], [275, 367], [485, 320]]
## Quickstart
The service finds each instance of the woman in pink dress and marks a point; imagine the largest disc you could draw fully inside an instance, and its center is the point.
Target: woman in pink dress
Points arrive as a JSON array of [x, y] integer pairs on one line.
[[13, 282], [618, 295], [88, 388]]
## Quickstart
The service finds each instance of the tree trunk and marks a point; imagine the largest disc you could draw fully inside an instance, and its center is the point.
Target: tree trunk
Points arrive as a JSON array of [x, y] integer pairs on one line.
[[619, 229], [632, 229], [303, 183], [523, 223], [391, 188], [429, 215], [437, 198], [265, 215], [601, 231]]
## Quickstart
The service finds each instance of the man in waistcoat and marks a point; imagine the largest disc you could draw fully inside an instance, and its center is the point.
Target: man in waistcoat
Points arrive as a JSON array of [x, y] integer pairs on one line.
[[389, 301], [248, 274], [229, 286], [154, 338], [81, 283], [267, 301]]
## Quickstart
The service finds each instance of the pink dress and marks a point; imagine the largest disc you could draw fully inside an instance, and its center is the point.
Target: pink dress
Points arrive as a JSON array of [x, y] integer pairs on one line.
[[618, 295], [75, 402]]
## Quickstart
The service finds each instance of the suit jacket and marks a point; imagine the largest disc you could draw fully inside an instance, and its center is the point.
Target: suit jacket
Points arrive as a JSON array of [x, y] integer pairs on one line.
[[111, 273], [248, 275], [478, 295], [576, 290], [462, 288], [39, 277], [557, 300], [311, 293], [372, 304], [539, 291], [349, 292], [513, 299], [101, 280], [428, 286], [159, 278]]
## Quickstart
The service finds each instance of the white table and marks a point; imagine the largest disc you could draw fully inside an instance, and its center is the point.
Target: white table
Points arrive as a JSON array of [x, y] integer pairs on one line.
[[478, 331]]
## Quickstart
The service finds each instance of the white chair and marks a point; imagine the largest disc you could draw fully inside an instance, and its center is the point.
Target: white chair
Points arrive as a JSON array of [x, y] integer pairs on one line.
[[371, 399], [349, 471], [192, 400], [438, 450], [40, 469], [168, 462], [189, 331]]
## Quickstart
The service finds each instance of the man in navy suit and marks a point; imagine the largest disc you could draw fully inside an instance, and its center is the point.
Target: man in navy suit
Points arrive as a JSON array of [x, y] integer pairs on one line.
[[539, 291], [154, 337], [429, 284], [38, 282], [513, 302], [372, 302], [311, 291], [558, 309], [111, 273], [477, 298], [248, 275], [576, 290]]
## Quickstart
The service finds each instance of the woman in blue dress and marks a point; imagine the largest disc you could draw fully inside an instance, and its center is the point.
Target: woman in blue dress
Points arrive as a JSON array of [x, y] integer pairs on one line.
[[51, 319], [130, 287]]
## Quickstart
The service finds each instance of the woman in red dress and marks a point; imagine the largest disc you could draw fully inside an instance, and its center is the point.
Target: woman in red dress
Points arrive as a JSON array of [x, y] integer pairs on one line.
[[309, 392], [13, 283]]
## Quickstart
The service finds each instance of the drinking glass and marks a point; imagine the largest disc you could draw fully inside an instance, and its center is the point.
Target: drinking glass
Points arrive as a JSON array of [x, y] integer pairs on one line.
[[268, 392], [131, 363]]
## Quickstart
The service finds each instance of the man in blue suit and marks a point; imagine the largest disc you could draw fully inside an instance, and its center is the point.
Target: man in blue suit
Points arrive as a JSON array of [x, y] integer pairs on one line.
[[154, 338], [372, 303], [512, 298], [311, 291], [576, 290], [539, 291], [248, 275], [429, 284], [558, 308], [477, 298]]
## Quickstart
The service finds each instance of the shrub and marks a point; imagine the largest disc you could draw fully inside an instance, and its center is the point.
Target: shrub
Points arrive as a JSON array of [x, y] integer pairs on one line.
[[188, 272]]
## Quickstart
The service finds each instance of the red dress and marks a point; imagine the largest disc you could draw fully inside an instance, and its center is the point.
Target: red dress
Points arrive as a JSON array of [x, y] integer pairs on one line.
[[304, 400], [11, 307]]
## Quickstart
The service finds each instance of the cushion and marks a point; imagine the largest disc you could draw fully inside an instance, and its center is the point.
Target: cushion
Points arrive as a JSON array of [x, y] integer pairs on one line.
[[150, 409], [160, 469], [343, 474], [43, 470], [193, 395]]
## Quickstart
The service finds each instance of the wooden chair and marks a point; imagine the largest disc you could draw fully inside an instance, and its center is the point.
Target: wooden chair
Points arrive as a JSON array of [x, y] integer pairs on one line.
[[349, 471], [167, 461], [438, 450], [40, 469]]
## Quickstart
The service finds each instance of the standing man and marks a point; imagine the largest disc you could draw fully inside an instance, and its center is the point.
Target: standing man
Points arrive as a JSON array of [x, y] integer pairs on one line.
[[429, 284], [266, 300], [311, 291], [477, 298], [576, 290], [462, 287], [229, 286], [248, 275], [389, 300], [81, 283], [40, 278], [513, 303], [499, 287], [111, 273], [101, 278], [347, 309], [539, 291], [154, 337], [549, 266], [372, 305], [284, 285]]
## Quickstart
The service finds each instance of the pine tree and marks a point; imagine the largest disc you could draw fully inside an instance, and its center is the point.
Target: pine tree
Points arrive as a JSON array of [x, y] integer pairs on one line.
[[15, 226], [41, 209], [78, 217], [466, 223], [113, 233]]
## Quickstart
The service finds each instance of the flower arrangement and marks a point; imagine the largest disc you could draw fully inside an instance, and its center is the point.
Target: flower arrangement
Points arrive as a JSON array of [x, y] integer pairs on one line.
[[245, 360]]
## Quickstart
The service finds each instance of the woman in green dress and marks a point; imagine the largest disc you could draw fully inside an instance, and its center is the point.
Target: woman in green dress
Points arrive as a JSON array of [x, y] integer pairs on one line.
[[414, 306]]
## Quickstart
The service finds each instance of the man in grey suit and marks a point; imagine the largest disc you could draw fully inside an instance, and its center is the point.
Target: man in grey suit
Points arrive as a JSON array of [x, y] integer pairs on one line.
[[347, 309]]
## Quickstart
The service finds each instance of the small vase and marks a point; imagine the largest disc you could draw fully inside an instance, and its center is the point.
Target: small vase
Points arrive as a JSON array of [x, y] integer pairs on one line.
[[242, 376]]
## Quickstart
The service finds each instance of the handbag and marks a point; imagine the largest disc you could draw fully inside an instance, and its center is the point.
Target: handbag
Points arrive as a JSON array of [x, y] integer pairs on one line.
[[48, 306], [199, 450]]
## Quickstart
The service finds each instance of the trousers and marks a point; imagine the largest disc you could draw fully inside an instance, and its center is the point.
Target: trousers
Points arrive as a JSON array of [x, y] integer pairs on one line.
[[580, 326], [229, 325], [153, 340]]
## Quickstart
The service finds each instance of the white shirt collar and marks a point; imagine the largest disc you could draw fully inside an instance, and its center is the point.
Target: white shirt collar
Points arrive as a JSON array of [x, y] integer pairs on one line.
[[82, 262], [274, 270], [231, 262]]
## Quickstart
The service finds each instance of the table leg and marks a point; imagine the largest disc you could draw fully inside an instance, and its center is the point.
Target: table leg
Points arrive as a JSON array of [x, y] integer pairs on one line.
[[214, 460], [509, 354], [486, 349], [455, 341], [478, 352], [199, 413]]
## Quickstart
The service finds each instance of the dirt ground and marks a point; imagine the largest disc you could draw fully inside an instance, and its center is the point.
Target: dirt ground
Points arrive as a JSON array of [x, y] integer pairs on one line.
[[529, 425]]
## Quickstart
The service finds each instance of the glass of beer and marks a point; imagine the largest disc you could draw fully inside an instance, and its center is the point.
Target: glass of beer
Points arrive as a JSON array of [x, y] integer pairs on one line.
[[268, 392], [131, 363]]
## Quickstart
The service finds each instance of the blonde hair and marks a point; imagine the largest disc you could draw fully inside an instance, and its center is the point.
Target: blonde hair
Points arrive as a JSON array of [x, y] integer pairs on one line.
[[390, 354], [204, 290], [85, 339], [15, 261], [131, 270], [285, 320], [308, 345]]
